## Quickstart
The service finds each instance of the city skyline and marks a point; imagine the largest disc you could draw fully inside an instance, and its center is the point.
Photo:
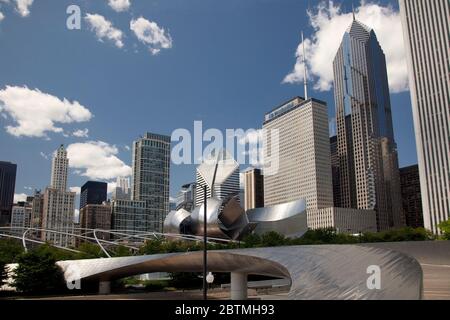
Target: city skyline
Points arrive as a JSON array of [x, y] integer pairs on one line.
[[264, 76]]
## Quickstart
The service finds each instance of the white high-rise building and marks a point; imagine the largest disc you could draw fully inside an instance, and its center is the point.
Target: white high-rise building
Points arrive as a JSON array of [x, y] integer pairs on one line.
[[304, 170], [59, 205], [426, 34], [220, 174], [60, 167], [122, 190]]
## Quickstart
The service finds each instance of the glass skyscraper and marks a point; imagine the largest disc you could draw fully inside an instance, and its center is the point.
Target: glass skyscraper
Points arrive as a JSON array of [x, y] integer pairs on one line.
[[7, 187], [151, 170], [368, 163]]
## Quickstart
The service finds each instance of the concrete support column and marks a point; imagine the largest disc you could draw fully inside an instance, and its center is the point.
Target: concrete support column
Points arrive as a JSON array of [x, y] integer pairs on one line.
[[238, 286], [104, 287]]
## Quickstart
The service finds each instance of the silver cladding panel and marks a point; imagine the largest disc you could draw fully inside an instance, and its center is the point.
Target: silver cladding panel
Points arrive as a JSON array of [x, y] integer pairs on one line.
[[326, 272], [288, 219], [174, 220]]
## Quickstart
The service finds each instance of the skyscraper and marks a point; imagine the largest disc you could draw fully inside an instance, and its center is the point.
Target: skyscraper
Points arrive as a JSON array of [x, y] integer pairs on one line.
[[220, 174], [59, 209], [368, 164], [151, 173], [411, 197], [335, 171], [426, 35], [7, 187], [122, 190], [96, 216], [186, 197], [253, 189], [93, 192], [304, 154]]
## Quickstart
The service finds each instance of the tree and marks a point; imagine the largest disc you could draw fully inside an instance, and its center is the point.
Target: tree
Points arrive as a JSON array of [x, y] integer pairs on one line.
[[37, 272], [445, 228], [10, 250], [89, 251], [3, 273]]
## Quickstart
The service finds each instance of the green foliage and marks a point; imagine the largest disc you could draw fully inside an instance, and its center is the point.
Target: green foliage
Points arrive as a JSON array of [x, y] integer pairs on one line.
[[38, 273], [89, 251], [403, 234], [445, 229], [3, 273], [121, 251], [10, 250]]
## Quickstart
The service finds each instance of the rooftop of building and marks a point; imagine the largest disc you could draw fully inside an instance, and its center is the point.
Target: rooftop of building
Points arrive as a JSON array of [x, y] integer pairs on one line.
[[286, 107]]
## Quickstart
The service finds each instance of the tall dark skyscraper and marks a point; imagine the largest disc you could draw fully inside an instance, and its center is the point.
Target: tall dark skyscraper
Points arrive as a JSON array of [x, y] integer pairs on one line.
[[368, 164], [335, 171], [93, 192], [151, 169], [411, 196], [7, 187]]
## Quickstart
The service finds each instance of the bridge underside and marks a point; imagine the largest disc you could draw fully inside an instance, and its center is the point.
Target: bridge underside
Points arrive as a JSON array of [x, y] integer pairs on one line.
[[315, 272]]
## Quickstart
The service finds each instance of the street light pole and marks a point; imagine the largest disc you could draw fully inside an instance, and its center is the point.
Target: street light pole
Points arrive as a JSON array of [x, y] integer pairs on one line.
[[205, 243]]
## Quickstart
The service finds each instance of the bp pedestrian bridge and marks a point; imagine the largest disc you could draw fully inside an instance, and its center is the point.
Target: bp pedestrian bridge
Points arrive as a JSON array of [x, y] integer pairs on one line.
[[384, 271]]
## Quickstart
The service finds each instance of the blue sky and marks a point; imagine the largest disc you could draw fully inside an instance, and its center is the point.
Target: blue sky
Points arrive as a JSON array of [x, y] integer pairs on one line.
[[225, 66]]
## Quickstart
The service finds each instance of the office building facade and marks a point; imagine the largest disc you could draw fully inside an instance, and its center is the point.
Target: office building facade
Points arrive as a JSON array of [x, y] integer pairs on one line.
[[411, 196], [151, 173], [93, 192], [220, 175], [186, 197], [7, 187], [122, 190], [426, 35], [97, 216], [253, 189], [335, 174], [59, 204], [368, 163], [303, 145]]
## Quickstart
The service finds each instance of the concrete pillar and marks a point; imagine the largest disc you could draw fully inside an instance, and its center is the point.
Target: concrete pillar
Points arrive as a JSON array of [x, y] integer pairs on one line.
[[238, 286], [104, 287]]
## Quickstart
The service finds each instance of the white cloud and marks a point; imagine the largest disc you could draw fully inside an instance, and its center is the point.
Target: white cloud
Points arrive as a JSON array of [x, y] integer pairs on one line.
[[77, 190], [23, 7], [150, 34], [104, 29], [127, 147], [36, 113], [21, 197], [81, 133], [97, 160], [330, 23], [111, 187], [2, 16], [119, 5]]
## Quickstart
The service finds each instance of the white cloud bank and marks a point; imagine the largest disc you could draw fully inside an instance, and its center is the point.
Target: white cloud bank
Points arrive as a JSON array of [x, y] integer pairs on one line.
[[97, 160], [330, 23], [119, 5], [104, 29], [2, 16], [151, 35], [36, 113]]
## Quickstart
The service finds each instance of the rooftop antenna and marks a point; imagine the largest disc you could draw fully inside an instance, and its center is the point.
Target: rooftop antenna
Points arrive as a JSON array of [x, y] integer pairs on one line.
[[353, 9], [305, 75]]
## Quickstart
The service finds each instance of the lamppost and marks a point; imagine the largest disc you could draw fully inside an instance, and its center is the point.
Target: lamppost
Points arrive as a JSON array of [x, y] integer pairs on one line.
[[205, 244]]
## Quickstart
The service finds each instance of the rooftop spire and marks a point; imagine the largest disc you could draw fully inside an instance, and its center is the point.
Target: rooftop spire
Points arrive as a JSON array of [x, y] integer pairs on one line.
[[353, 9], [305, 75]]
